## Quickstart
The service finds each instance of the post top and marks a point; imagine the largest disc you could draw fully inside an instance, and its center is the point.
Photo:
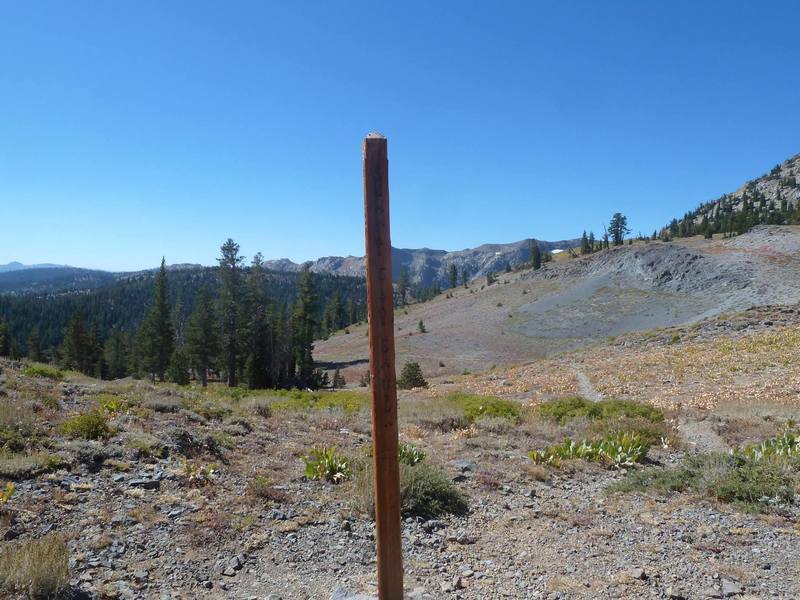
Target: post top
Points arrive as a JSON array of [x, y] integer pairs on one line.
[[375, 135]]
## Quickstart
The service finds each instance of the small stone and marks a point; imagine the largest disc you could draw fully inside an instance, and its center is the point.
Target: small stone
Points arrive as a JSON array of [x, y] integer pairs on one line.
[[731, 588], [146, 484], [636, 573]]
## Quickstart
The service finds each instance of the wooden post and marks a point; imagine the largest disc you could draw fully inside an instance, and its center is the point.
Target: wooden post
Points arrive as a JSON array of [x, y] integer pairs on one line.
[[380, 302]]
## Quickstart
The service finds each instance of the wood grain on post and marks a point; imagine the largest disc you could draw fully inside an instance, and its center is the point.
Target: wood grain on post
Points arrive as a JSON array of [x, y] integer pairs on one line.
[[380, 302]]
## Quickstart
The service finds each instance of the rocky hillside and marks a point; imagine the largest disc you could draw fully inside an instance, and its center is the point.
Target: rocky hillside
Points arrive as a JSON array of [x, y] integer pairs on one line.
[[771, 198], [427, 266], [530, 314]]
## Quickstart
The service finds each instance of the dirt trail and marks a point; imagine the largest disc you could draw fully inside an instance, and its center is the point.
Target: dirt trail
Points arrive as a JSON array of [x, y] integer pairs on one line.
[[586, 388]]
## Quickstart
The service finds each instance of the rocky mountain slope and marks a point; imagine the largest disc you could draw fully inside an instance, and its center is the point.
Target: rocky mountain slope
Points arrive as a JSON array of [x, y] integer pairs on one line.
[[427, 266], [530, 314], [778, 190]]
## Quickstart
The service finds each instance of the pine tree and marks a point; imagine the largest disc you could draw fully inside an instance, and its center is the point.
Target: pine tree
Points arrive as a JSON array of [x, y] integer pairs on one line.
[[403, 283], [465, 277], [411, 377], [116, 355], [35, 345], [452, 275], [5, 339], [178, 370], [591, 242], [303, 326], [585, 248], [257, 362], [421, 327], [338, 380], [74, 353], [536, 255], [230, 271], [618, 228], [158, 336], [202, 339]]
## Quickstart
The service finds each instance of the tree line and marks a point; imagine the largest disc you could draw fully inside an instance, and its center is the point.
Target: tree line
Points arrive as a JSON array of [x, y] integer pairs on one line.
[[239, 325]]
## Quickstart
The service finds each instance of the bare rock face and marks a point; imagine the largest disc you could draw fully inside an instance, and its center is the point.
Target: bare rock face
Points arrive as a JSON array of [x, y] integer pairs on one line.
[[426, 266]]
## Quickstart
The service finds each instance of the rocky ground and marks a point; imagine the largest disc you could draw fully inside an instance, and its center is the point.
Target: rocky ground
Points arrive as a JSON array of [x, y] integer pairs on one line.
[[202, 493]]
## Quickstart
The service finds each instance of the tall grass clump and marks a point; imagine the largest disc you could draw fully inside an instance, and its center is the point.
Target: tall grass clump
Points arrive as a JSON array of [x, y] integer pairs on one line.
[[38, 569]]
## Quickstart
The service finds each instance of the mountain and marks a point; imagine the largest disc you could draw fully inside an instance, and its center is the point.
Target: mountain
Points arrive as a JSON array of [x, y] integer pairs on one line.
[[772, 199], [50, 280], [18, 266], [427, 266]]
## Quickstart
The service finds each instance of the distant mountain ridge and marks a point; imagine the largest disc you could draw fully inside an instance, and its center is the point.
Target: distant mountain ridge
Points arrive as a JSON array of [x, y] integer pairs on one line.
[[18, 266], [427, 266]]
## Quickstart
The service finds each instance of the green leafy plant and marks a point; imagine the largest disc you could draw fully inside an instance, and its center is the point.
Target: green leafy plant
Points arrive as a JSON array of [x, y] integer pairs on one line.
[[410, 454], [8, 491], [199, 474], [327, 464], [619, 450]]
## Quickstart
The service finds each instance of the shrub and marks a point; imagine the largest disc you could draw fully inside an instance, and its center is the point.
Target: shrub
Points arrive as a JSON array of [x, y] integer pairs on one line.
[[113, 404], [43, 371], [38, 568], [475, 406], [425, 491], [90, 425], [163, 404], [563, 410], [411, 377], [327, 464], [753, 485], [619, 450], [23, 466], [348, 401], [7, 493]]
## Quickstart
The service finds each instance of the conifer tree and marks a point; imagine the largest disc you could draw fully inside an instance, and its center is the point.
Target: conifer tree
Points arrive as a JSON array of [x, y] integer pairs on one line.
[[230, 271], [74, 349], [158, 336], [116, 355], [5, 339], [592, 247], [452, 275], [618, 228], [303, 326], [465, 277], [35, 345], [178, 370], [403, 283], [585, 248], [202, 339], [536, 255], [257, 362]]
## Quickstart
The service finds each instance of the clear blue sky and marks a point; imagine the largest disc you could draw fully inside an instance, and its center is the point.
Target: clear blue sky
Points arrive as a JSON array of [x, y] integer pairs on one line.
[[129, 130]]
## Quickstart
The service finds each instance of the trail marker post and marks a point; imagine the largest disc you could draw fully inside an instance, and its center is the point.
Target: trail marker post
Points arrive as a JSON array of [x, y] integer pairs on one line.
[[380, 311]]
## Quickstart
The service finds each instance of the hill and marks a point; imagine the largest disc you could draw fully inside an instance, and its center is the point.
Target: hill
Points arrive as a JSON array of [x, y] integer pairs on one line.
[[529, 314], [773, 198]]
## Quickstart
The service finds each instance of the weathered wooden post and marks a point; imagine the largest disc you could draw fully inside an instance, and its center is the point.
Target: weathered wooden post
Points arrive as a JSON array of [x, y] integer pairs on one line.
[[380, 303]]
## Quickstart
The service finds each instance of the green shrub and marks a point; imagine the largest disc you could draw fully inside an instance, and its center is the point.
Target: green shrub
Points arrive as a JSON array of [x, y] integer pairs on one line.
[[345, 400], [619, 450], [475, 406], [43, 371], [753, 485], [90, 425], [37, 568], [563, 410], [411, 377], [425, 491], [327, 464]]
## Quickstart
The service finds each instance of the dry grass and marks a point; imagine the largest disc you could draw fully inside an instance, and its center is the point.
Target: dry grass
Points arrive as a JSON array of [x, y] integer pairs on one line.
[[38, 569]]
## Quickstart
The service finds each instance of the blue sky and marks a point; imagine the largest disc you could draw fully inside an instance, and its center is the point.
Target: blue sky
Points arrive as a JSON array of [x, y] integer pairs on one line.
[[129, 130]]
